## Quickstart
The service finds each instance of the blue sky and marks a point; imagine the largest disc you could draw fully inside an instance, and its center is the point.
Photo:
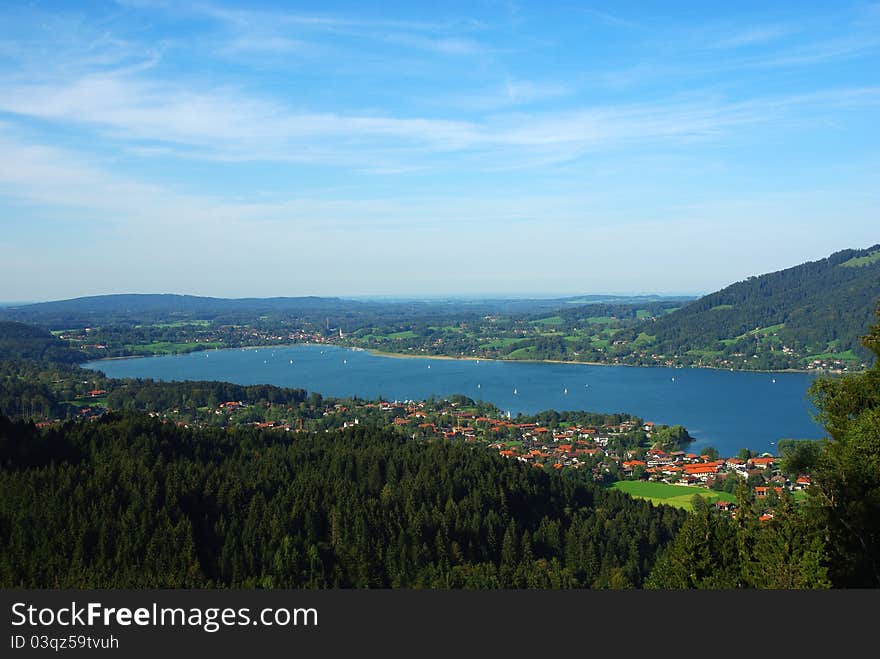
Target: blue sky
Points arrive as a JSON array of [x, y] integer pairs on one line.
[[262, 149]]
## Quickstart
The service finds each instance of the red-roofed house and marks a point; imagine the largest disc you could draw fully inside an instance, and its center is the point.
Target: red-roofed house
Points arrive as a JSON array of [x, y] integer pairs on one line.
[[762, 463], [802, 483]]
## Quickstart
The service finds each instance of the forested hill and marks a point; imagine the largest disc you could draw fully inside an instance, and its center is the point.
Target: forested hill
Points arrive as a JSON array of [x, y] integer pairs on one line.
[[110, 308], [131, 502], [816, 308], [20, 341]]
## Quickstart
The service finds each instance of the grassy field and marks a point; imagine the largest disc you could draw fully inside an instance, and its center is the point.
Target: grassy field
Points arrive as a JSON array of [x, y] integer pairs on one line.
[[672, 495], [405, 334], [91, 401], [552, 320], [644, 339], [698, 352], [847, 355], [770, 329], [180, 323], [523, 353], [169, 348], [501, 343], [859, 261]]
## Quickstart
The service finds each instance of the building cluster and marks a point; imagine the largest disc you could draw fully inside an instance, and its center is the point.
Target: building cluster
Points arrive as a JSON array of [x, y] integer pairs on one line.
[[609, 451]]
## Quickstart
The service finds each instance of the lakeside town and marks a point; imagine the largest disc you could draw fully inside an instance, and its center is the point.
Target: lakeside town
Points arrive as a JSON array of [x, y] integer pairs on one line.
[[481, 341], [638, 457]]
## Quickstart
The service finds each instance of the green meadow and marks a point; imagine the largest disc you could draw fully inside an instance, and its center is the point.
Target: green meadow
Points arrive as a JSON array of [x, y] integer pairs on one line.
[[170, 348], [672, 495]]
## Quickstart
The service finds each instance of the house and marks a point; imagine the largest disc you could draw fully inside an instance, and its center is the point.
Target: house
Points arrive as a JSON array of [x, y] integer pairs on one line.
[[700, 469], [763, 462], [802, 483]]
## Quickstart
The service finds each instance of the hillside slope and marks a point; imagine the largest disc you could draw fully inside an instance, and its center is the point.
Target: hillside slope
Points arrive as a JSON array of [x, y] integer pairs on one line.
[[816, 310], [20, 341]]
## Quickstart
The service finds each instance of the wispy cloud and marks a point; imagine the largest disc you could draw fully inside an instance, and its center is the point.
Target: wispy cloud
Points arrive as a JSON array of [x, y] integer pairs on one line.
[[231, 124], [224, 124], [609, 19], [265, 30], [754, 36], [52, 177]]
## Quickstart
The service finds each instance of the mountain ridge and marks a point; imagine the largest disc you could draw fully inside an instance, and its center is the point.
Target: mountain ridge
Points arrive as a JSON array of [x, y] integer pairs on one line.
[[814, 307]]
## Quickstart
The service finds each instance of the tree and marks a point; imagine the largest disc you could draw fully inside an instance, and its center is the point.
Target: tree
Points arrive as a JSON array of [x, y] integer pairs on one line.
[[845, 498], [798, 456], [711, 451], [704, 554]]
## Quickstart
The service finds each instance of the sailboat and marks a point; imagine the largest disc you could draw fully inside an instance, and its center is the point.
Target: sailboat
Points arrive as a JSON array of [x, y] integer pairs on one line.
[[514, 391], [565, 391]]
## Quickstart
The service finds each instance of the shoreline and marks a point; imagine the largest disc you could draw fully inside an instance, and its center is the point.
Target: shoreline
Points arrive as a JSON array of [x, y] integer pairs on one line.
[[400, 355]]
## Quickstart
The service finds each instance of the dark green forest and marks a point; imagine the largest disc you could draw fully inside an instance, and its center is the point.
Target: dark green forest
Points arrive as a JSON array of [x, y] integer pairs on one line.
[[817, 307], [127, 501], [831, 541], [21, 341]]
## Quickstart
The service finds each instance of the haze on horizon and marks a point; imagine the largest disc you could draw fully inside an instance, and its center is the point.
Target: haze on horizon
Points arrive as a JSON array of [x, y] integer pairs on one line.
[[262, 149]]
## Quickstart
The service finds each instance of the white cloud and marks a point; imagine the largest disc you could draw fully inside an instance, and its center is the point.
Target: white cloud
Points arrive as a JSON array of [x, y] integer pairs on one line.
[[227, 123], [754, 36]]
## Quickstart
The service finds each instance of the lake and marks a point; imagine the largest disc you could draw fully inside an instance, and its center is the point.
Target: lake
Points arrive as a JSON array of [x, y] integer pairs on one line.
[[725, 409]]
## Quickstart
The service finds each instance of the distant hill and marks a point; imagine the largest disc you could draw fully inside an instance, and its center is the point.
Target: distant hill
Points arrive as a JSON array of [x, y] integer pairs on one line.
[[814, 309], [147, 308], [135, 302], [144, 307]]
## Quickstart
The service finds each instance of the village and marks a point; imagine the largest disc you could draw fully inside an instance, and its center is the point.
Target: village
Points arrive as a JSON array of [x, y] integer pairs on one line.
[[613, 450], [626, 450]]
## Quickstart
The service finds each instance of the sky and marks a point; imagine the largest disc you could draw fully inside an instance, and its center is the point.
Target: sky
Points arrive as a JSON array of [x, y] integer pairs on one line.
[[468, 148]]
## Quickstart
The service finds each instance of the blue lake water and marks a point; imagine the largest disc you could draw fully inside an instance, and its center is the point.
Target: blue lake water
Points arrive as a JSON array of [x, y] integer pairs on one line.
[[725, 409]]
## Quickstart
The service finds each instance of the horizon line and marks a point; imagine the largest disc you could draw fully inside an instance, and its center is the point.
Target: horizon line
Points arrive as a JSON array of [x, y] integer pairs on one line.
[[374, 296]]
